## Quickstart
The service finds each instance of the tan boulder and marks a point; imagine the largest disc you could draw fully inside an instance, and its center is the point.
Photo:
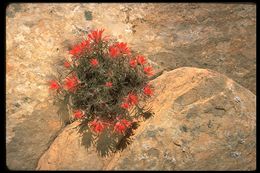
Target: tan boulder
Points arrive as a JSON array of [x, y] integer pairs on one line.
[[68, 153], [202, 121], [28, 135]]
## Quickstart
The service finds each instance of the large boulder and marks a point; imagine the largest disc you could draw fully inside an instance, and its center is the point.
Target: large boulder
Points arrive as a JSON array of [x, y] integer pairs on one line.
[[30, 135], [33, 52], [203, 121], [68, 153]]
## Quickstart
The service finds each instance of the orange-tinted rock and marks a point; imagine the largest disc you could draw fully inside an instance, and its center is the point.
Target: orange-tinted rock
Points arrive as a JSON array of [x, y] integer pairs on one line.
[[217, 36], [67, 153], [202, 121], [30, 135]]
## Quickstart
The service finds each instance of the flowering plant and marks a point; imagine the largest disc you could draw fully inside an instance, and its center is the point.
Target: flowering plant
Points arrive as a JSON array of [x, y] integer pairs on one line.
[[103, 87]]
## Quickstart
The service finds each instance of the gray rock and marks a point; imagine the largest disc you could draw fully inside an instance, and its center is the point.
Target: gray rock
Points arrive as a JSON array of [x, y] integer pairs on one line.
[[32, 138]]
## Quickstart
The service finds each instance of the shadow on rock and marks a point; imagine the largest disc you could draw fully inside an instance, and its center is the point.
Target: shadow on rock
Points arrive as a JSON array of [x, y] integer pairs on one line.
[[108, 142]]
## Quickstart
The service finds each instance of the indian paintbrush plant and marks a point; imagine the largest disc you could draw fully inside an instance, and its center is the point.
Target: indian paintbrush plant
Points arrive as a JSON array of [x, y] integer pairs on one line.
[[103, 86]]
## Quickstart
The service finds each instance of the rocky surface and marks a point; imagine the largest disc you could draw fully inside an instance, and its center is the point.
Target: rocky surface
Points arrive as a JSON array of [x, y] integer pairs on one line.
[[68, 153], [33, 135], [221, 37], [38, 36], [202, 121]]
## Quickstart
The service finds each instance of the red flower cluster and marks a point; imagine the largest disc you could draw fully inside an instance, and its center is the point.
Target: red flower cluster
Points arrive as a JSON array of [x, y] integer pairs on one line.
[[92, 52], [78, 114], [66, 64], [118, 48], [113, 52], [71, 83], [148, 90], [121, 126], [138, 59], [79, 48], [123, 48], [141, 59], [126, 123], [148, 70], [97, 126], [131, 100], [54, 85], [133, 63], [96, 35], [125, 105], [108, 84], [94, 62]]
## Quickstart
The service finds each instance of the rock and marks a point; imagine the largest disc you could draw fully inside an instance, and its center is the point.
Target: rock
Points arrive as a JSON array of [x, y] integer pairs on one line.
[[68, 153], [220, 37], [30, 137], [198, 125], [32, 122], [88, 15], [200, 36], [203, 121], [213, 36]]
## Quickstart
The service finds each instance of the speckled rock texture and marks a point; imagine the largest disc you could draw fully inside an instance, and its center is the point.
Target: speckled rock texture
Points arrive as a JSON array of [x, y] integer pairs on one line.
[[68, 153], [33, 134], [221, 37], [203, 121]]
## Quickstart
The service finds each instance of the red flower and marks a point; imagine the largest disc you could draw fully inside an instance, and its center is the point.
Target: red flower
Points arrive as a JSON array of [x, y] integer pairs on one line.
[[94, 62], [71, 83], [79, 48], [85, 44], [54, 85], [133, 63], [78, 114], [133, 99], [109, 84], [119, 127], [96, 35], [125, 105], [97, 126], [123, 48], [75, 50], [148, 90], [126, 123], [113, 51], [141, 59], [118, 48], [66, 64], [148, 70]]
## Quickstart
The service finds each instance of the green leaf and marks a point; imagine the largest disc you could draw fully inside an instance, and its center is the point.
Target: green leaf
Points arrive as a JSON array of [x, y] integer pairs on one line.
[[106, 143]]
